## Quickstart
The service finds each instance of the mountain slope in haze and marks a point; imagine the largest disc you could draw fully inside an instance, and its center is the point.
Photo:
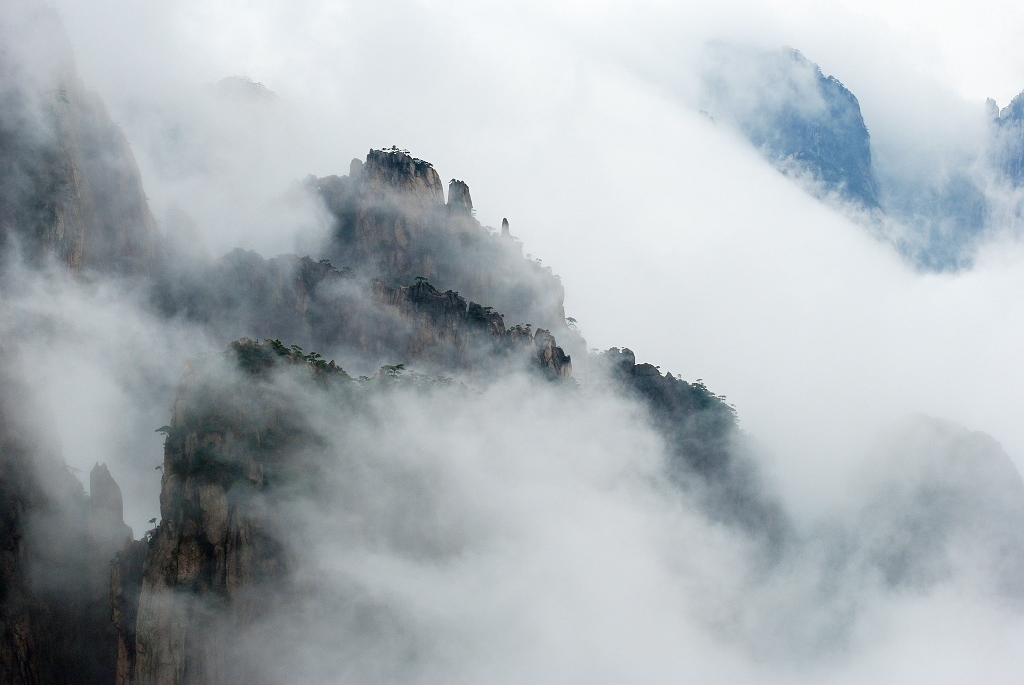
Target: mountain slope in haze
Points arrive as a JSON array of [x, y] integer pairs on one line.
[[70, 189], [391, 221], [56, 545], [394, 239], [72, 195], [290, 482], [805, 123], [1008, 125], [810, 127]]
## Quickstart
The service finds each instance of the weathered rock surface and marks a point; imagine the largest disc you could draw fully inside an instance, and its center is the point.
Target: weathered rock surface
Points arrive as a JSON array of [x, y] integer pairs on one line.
[[391, 223], [804, 122], [703, 444], [211, 564], [69, 185]]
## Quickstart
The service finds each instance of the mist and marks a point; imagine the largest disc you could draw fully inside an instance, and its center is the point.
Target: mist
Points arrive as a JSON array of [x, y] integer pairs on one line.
[[520, 532]]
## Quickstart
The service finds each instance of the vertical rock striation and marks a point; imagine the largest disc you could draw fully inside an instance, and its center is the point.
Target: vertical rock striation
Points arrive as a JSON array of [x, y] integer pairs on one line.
[[56, 546], [70, 188]]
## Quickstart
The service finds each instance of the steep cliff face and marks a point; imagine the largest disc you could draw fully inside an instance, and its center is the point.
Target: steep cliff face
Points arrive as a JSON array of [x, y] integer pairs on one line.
[[320, 307], [69, 185], [126, 571], [1008, 134], [242, 447], [212, 563], [804, 122], [392, 223], [702, 437], [56, 545]]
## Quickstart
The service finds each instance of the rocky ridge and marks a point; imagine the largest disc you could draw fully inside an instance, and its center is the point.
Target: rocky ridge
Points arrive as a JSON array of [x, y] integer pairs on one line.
[[406, 280]]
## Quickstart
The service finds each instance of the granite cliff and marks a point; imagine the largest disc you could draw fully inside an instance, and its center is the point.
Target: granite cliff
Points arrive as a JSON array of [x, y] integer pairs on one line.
[[56, 544], [391, 222], [70, 189]]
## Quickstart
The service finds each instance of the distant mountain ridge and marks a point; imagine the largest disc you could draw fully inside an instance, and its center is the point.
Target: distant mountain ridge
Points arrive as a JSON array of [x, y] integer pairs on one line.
[[804, 122], [811, 128]]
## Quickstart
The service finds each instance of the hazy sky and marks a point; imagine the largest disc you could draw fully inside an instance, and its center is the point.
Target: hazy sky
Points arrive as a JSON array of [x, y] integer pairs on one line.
[[578, 122]]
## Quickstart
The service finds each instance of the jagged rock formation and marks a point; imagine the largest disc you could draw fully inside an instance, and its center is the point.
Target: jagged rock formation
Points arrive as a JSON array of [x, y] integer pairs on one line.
[[69, 185], [320, 307], [701, 435], [221, 557], [1008, 125], [805, 123], [56, 544], [392, 223]]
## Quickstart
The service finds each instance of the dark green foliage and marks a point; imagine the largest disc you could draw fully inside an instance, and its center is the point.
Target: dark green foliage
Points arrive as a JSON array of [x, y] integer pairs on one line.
[[391, 223], [257, 358], [230, 424], [701, 433]]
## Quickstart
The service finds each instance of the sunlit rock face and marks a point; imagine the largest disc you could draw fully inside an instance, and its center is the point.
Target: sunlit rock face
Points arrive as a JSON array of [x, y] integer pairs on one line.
[[70, 189]]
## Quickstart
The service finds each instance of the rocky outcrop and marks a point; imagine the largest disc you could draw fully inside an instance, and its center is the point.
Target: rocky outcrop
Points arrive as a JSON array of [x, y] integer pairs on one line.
[[455, 333], [391, 223], [459, 201], [804, 122], [703, 444], [550, 356], [392, 177], [56, 545]]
